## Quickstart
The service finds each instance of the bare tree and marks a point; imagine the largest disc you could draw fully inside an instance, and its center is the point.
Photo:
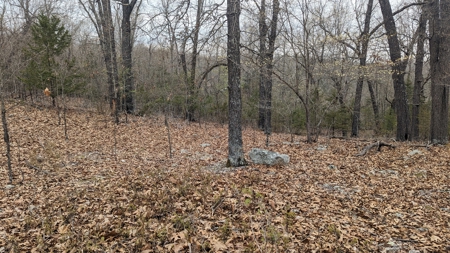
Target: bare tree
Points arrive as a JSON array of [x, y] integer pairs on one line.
[[235, 145], [440, 70], [362, 46], [308, 46], [418, 75], [267, 35], [99, 12], [191, 96], [127, 47], [398, 72]]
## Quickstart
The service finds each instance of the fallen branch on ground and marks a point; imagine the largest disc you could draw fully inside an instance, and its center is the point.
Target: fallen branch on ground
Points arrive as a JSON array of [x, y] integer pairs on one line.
[[31, 166], [377, 144]]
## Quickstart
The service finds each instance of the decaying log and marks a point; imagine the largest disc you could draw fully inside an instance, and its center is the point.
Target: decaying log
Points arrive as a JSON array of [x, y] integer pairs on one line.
[[377, 144]]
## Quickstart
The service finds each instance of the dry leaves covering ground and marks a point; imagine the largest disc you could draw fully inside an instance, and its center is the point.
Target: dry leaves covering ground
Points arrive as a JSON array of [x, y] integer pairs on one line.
[[88, 194]]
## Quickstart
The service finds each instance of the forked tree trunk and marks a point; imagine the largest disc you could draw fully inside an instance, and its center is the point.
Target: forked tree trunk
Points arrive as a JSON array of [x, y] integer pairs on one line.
[[364, 43], [266, 53], [398, 72]]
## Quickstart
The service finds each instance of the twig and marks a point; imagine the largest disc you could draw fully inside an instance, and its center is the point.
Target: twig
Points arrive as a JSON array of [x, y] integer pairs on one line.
[[216, 205], [31, 166], [18, 159], [166, 122], [405, 240]]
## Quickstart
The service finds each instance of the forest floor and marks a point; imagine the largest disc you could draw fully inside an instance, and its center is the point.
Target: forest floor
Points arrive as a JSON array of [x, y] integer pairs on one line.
[[111, 188]]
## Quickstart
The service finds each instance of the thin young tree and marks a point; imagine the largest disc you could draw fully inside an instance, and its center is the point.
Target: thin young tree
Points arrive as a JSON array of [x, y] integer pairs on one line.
[[235, 145]]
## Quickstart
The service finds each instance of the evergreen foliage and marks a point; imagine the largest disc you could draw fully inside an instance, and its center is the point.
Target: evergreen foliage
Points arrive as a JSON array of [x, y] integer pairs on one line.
[[47, 67]]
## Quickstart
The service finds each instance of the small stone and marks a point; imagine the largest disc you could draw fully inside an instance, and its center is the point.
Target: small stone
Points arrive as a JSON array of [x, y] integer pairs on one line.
[[392, 243], [321, 148], [392, 249], [9, 186], [204, 145], [332, 167], [398, 215], [414, 251], [414, 152], [39, 158], [184, 151]]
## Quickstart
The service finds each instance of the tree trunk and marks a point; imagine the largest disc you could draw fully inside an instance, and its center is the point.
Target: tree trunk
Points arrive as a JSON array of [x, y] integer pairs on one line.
[[191, 80], [364, 43], [262, 65], [376, 111], [266, 53], [269, 66], [99, 13], [235, 147], [418, 77], [440, 71], [357, 105], [398, 72], [127, 9], [6, 139]]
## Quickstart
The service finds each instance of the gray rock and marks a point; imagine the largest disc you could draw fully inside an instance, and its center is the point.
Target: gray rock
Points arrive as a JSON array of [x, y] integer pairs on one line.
[[204, 145], [321, 148], [392, 249], [414, 152], [262, 156], [9, 186]]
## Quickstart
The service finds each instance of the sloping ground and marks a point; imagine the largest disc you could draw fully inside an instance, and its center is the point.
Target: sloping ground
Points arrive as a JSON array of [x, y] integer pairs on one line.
[[115, 189]]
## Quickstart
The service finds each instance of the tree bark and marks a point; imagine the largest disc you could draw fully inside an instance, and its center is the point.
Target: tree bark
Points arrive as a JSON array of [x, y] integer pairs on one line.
[[6, 139], [440, 70], [418, 77], [262, 65], [266, 53], [376, 111], [398, 72], [235, 146], [269, 66], [127, 46]]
